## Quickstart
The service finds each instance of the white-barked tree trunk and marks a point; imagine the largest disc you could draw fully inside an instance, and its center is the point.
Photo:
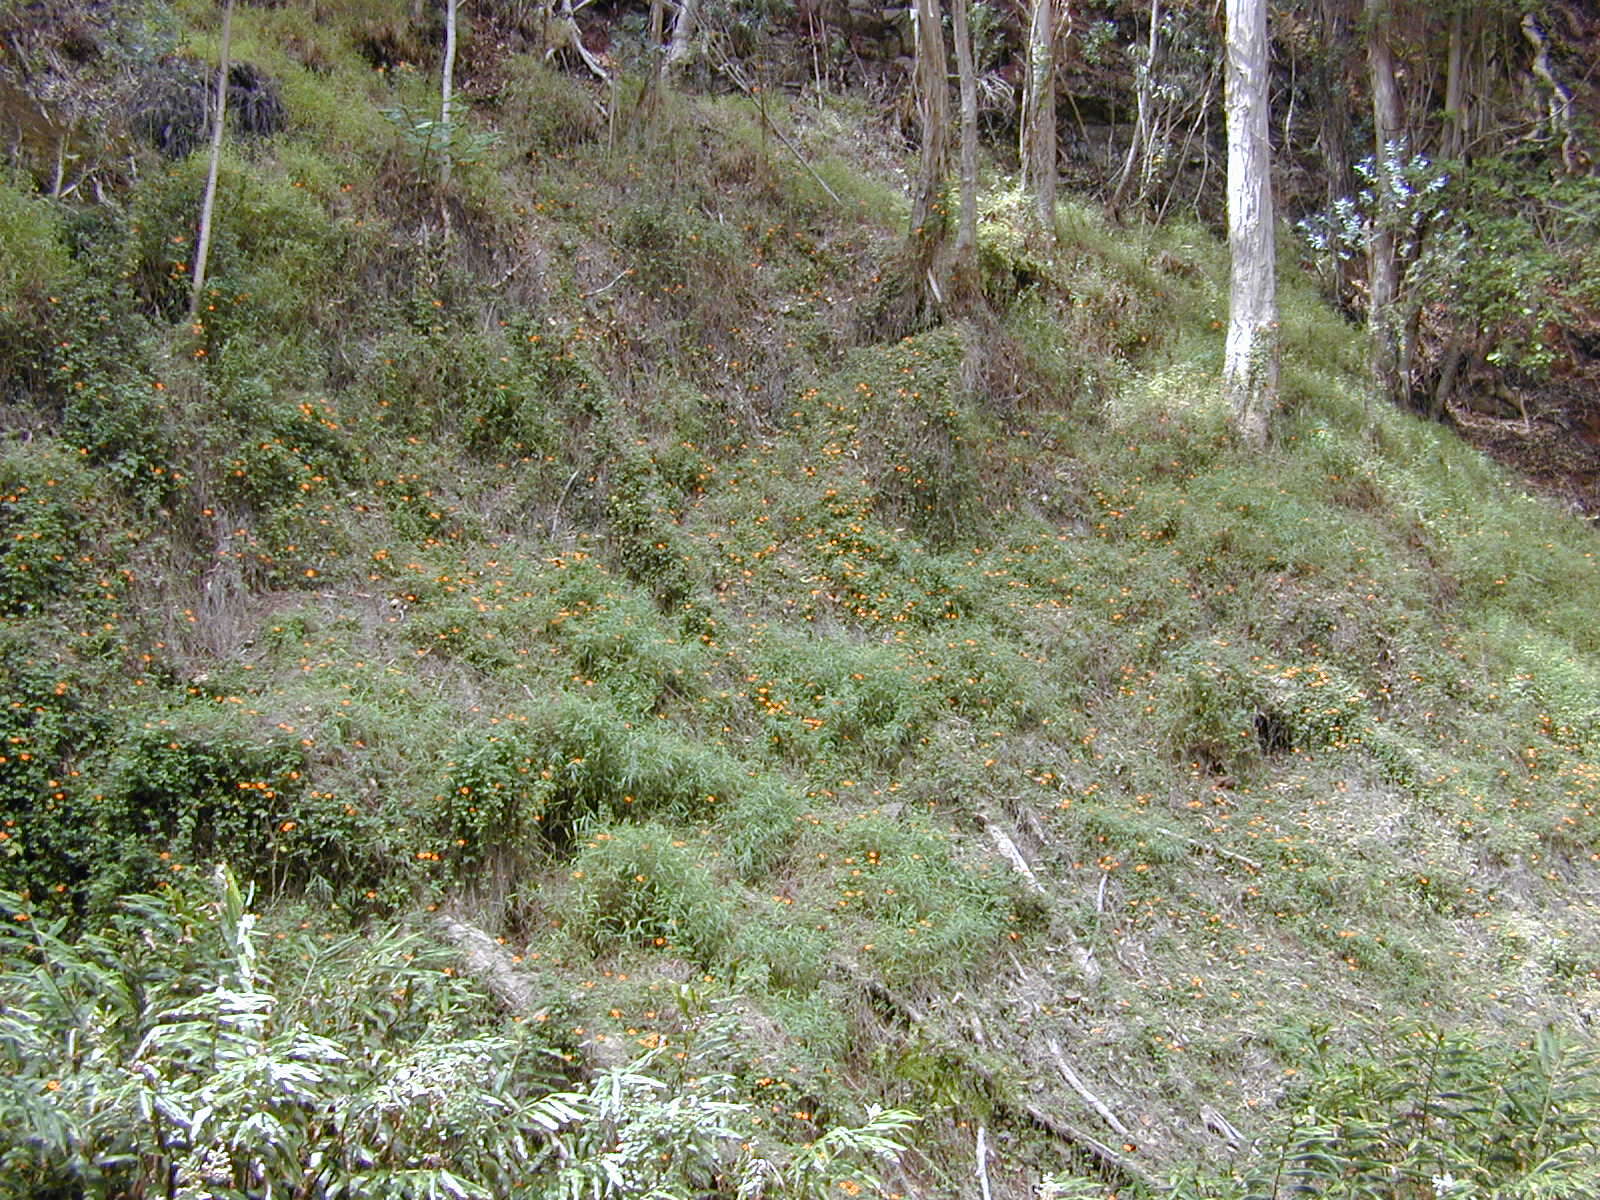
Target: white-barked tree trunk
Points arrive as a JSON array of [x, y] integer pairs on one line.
[[447, 95], [1250, 367], [967, 225]]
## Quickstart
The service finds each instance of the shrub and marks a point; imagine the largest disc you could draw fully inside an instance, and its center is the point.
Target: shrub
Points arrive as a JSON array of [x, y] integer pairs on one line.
[[790, 958], [928, 915], [521, 390], [34, 268], [33, 258], [177, 1048], [274, 263], [758, 827], [495, 789], [621, 640], [641, 885], [188, 789], [1441, 1114], [606, 766], [849, 702], [647, 542], [548, 113], [903, 410], [49, 505], [48, 722], [695, 267], [1209, 699]]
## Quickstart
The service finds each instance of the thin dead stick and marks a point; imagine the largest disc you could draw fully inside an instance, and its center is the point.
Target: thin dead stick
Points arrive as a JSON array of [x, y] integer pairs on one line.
[[1070, 1134], [1093, 1147], [555, 517], [620, 276], [983, 1161], [1210, 849], [1089, 1098], [1221, 1126]]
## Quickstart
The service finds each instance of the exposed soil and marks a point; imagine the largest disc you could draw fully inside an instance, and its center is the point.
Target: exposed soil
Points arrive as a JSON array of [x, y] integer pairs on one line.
[[1548, 434]]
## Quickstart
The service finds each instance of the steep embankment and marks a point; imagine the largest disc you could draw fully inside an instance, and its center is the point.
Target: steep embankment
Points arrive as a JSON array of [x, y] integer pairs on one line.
[[958, 723]]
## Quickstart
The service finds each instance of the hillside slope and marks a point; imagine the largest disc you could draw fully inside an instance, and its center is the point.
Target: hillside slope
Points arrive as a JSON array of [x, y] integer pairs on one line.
[[956, 723]]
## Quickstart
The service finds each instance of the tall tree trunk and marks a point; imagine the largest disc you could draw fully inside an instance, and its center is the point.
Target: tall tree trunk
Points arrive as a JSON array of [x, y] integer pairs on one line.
[[1454, 147], [933, 105], [1038, 134], [1455, 117], [683, 33], [446, 89], [1250, 369], [1331, 82], [1139, 147], [1383, 320], [966, 264], [1560, 93], [208, 206]]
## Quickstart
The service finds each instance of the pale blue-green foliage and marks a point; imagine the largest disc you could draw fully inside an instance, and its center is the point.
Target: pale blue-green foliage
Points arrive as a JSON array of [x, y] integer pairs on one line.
[[162, 1049], [171, 1051], [631, 1135], [1403, 193]]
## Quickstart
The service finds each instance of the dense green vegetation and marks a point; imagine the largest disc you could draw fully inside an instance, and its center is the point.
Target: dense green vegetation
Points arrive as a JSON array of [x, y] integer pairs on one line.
[[664, 734]]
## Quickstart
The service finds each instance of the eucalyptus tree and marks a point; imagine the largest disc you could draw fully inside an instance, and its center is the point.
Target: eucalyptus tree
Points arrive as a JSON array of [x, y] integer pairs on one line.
[[446, 88], [683, 29], [1250, 369], [966, 248], [1390, 368], [927, 230], [1038, 126]]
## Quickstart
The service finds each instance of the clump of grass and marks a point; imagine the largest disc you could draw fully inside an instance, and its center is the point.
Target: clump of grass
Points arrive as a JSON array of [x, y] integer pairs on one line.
[[915, 912], [644, 886], [1183, 401], [904, 410], [543, 109], [31, 247], [758, 828]]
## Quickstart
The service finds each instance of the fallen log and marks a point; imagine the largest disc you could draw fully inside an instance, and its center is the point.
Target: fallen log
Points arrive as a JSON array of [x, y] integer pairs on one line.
[[491, 963]]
